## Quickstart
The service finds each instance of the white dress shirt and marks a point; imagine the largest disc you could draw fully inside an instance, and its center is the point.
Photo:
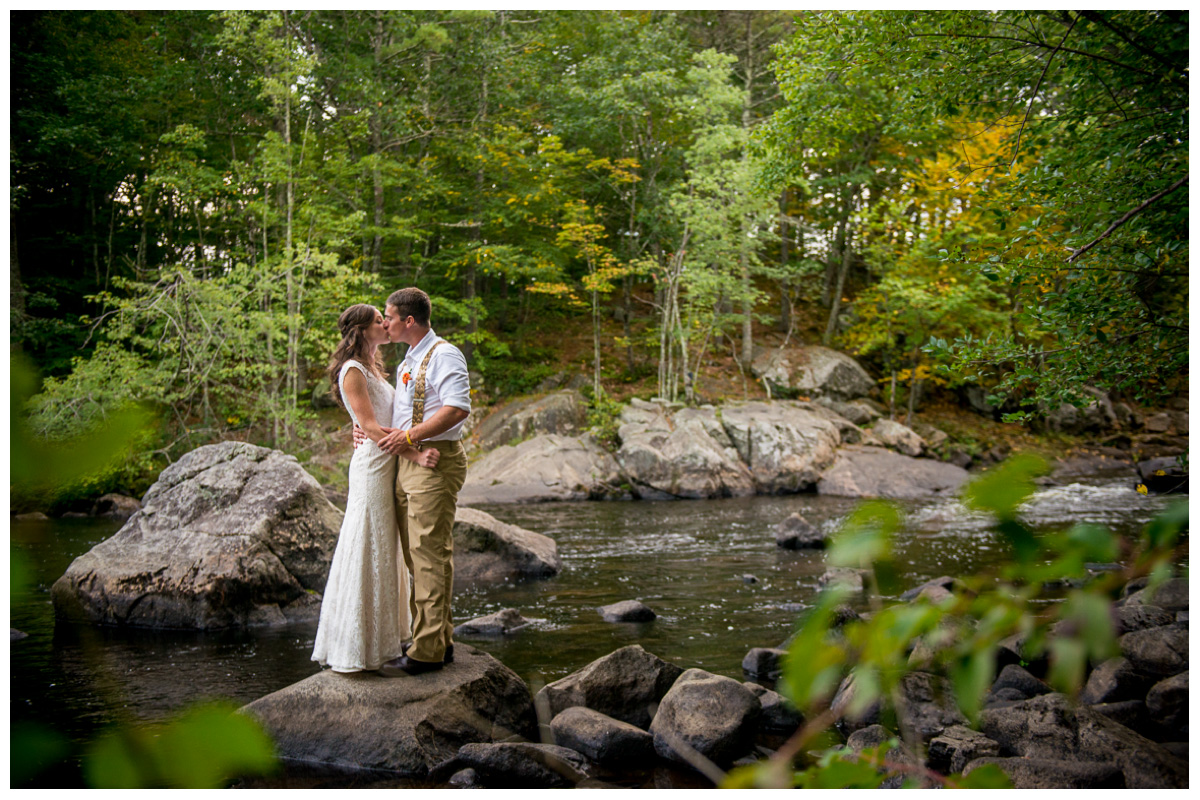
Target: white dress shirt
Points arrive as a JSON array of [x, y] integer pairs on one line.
[[446, 384]]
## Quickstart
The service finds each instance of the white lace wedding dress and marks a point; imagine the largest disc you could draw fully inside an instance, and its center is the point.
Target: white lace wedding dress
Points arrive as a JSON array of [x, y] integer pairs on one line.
[[364, 612]]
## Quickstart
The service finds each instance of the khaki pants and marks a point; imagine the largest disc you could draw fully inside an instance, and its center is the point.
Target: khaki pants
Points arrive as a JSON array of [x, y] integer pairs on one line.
[[425, 503]]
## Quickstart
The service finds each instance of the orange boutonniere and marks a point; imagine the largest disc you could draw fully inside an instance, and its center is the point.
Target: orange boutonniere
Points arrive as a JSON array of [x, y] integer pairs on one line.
[[406, 377]]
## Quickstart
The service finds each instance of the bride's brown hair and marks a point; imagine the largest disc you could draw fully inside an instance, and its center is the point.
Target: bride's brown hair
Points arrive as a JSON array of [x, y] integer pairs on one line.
[[352, 324]]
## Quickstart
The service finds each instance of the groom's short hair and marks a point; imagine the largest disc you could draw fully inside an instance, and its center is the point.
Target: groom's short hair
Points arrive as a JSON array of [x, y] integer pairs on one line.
[[411, 302]]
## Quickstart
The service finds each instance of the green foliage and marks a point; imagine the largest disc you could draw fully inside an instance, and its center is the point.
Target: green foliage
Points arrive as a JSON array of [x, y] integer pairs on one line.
[[957, 636], [604, 419], [203, 747]]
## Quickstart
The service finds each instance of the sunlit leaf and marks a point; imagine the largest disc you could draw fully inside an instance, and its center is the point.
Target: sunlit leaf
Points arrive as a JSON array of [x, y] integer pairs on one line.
[[33, 748]]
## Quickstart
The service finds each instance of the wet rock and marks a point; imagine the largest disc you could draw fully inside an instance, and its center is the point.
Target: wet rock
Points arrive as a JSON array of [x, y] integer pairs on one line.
[[709, 714], [464, 779], [1138, 617], [764, 662], [814, 371], [1167, 703], [686, 453], [749, 579], [874, 472], [957, 746], [852, 579], [1047, 773], [230, 535], [1157, 651], [778, 714], [404, 725], [602, 739], [32, 516], [563, 413], [945, 582], [1112, 681], [544, 468], [785, 445], [1016, 677], [627, 611], [15, 635], [74, 515], [1171, 595], [522, 765], [502, 622], [488, 551], [874, 736], [797, 533], [626, 684], [115, 506], [928, 705], [1051, 727], [898, 437]]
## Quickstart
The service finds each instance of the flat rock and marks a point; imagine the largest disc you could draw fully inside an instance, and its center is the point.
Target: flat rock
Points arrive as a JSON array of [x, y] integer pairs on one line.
[[957, 746], [499, 624], [945, 582], [627, 684], [545, 468], [31, 516], [627, 611], [861, 471], [1051, 727], [231, 535], [488, 551], [522, 765], [707, 714], [1047, 773], [406, 725], [602, 739]]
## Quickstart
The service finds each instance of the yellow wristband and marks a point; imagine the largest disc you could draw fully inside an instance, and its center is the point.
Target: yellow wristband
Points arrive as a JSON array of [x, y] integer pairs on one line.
[[409, 437]]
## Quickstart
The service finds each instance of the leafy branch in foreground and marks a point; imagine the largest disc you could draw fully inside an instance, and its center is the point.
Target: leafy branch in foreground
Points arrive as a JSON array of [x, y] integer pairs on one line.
[[957, 635]]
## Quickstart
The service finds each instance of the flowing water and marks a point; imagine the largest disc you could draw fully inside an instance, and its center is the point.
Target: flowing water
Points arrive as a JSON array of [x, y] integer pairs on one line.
[[710, 570]]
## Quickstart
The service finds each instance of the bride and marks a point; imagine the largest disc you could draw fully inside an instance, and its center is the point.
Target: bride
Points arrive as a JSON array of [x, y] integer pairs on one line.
[[364, 612]]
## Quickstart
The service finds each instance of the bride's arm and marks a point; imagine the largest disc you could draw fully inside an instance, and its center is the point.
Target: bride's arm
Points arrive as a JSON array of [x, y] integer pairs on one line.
[[354, 392]]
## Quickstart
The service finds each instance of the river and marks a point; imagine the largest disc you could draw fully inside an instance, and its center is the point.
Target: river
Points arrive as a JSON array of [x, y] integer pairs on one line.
[[709, 568]]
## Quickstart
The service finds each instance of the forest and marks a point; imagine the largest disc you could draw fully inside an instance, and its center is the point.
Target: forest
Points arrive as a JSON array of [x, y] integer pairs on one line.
[[989, 199]]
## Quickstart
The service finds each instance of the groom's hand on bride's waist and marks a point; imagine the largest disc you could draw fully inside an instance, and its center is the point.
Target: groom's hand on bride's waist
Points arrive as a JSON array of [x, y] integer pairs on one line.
[[394, 442]]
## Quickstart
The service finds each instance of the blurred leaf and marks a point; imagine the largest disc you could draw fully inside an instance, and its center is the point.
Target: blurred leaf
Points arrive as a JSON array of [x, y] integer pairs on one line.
[[1163, 530], [1068, 662], [1025, 547], [32, 749], [865, 537], [813, 666], [972, 677], [20, 572], [989, 776], [770, 774], [1005, 488], [1093, 542], [840, 772], [203, 748]]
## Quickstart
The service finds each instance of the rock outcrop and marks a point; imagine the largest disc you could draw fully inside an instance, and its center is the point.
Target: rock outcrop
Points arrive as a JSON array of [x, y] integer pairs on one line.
[[785, 445], [563, 413], [230, 535], [814, 371], [403, 725], [488, 551], [544, 468]]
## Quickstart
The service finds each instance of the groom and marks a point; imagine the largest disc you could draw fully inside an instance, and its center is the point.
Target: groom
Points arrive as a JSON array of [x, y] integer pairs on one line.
[[433, 400]]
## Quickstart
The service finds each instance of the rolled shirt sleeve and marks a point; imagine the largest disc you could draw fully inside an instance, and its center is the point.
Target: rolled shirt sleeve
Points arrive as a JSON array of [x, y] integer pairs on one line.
[[453, 381]]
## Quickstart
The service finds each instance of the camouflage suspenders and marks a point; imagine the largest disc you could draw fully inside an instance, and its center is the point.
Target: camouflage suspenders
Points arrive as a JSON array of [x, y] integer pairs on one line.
[[418, 415]]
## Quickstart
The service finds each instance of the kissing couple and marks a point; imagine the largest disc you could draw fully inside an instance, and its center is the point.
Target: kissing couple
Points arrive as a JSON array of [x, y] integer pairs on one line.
[[407, 469]]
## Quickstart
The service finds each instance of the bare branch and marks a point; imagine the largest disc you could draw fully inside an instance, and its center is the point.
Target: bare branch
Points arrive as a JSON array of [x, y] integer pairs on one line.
[[1029, 108]]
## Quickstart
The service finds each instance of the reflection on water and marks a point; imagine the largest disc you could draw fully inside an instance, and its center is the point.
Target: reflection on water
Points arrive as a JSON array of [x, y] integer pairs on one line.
[[687, 560]]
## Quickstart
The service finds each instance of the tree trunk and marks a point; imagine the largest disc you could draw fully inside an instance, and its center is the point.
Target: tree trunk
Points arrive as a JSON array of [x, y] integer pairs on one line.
[[836, 300]]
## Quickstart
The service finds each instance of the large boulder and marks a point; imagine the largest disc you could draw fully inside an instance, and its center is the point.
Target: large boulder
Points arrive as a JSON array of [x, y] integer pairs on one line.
[[1047, 773], [1160, 652], [544, 468], [861, 471], [230, 535], [898, 437], [1094, 415], [1051, 727], [563, 413], [406, 725], [797, 533], [488, 551], [815, 371], [626, 684], [686, 454], [709, 714], [785, 445]]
